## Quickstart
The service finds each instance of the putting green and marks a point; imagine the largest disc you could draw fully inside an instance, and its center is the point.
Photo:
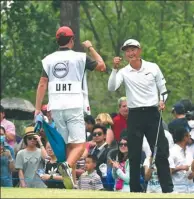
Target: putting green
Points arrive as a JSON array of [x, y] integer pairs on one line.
[[58, 193]]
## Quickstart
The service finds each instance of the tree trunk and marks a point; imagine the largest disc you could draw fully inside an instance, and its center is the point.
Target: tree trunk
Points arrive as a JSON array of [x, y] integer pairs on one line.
[[69, 16]]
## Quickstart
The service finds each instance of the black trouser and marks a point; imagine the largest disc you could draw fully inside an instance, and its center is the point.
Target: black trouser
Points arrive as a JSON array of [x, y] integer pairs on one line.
[[144, 121]]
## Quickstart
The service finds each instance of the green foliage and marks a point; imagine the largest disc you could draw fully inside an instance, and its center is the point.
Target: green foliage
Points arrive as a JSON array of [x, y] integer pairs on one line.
[[27, 36], [164, 28]]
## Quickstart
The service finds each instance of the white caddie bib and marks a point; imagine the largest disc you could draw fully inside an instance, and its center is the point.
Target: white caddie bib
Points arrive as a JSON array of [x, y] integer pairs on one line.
[[59, 87], [65, 70]]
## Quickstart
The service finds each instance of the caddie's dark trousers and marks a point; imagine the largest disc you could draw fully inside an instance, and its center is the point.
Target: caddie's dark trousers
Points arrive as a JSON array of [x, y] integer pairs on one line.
[[144, 121]]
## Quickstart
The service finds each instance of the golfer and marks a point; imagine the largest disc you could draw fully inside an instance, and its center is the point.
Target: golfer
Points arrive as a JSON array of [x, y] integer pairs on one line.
[[63, 72], [144, 83]]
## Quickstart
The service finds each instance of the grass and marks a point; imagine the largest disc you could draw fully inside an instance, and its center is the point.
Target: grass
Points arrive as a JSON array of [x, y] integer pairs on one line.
[[58, 193]]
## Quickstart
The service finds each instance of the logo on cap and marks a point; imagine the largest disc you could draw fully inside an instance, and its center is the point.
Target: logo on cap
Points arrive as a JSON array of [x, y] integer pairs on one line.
[[60, 70]]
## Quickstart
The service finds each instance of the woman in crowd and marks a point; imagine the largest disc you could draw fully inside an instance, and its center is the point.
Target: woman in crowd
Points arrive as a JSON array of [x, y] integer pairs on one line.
[[120, 167], [106, 120], [30, 159]]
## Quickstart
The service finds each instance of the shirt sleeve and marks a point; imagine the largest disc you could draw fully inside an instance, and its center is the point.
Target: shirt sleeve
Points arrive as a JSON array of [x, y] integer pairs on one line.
[[122, 175], [146, 147], [171, 160], [10, 128], [12, 152], [160, 82], [90, 63], [19, 161], [44, 74], [115, 80]]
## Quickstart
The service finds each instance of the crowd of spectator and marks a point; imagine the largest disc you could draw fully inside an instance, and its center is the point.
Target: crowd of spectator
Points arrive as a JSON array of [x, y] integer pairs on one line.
[[104, 164]]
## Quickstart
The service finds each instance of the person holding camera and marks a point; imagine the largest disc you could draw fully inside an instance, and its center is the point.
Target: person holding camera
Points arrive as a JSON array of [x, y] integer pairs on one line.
[[120, 167], [7, 163]]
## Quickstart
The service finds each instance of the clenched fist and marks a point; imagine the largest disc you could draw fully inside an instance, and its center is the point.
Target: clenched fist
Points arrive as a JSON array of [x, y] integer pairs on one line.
[[116, 62], [87, 44]]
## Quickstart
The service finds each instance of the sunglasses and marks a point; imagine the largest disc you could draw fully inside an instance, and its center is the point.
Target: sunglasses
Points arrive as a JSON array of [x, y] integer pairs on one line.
[[32, 138], [122, 144], [97, 134]]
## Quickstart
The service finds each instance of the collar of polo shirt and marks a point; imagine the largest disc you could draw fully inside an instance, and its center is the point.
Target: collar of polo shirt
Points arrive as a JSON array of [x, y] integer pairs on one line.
[[142, 66]]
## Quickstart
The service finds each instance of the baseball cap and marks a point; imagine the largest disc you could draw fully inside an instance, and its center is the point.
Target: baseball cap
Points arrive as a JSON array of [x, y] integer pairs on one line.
[[178, 108], [130, 42], [64, 31]]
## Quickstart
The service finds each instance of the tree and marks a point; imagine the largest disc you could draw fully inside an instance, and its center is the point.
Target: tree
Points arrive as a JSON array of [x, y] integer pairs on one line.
[[70, 16]]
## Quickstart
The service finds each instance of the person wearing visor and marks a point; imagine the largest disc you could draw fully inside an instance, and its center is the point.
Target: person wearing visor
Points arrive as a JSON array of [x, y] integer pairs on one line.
[[145, 87], [64, 75]]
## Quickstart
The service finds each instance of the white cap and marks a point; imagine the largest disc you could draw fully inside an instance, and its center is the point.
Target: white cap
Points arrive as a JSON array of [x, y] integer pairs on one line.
[[131, 42]]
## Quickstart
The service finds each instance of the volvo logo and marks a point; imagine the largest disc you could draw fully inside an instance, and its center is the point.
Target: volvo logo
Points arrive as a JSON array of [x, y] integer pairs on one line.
[[60, 70]]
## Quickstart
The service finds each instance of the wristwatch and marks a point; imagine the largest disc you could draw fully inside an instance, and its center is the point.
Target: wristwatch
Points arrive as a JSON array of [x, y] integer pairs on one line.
[[51, 177]]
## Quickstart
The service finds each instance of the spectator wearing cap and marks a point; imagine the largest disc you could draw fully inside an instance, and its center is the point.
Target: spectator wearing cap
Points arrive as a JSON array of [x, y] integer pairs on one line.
[[178, 112], [30, 159], [63, 74], [182, 162], [9, 128], [120, 121], [144, 85]]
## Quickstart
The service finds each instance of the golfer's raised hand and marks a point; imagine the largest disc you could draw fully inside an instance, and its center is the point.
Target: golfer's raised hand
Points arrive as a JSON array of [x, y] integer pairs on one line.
[[116, 62], [87, 44]]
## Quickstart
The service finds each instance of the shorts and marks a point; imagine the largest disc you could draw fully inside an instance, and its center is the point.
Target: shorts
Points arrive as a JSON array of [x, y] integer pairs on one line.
[[70, 124]]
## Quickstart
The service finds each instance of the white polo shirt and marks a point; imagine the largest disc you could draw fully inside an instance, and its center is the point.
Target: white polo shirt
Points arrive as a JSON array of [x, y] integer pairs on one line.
[[178, 157], [141, 86]]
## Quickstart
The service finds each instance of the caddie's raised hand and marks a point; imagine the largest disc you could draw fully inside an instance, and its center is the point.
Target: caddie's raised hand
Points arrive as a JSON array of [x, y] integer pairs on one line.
[[116, 62], [87, 44]]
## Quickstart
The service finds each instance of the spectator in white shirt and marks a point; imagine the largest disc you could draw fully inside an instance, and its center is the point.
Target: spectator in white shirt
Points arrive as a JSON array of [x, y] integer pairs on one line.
[[151, 174], [191, 144], [182, 162]]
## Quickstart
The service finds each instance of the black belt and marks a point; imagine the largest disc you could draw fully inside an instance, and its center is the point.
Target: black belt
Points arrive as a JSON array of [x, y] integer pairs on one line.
[[144, 108]]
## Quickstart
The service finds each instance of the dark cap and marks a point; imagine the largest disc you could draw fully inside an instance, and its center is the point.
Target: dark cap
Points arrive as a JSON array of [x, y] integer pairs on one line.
[[64, 31], [178, 109]]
